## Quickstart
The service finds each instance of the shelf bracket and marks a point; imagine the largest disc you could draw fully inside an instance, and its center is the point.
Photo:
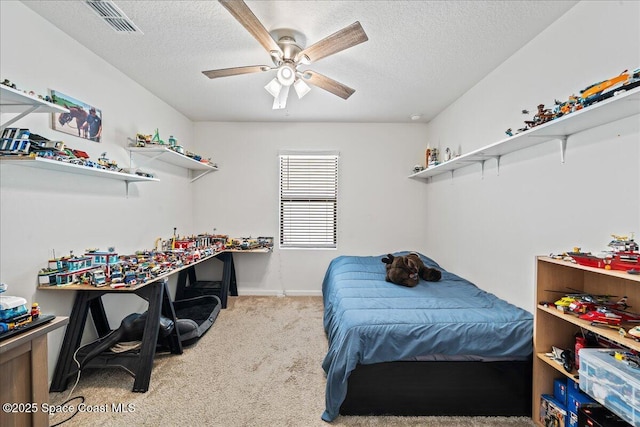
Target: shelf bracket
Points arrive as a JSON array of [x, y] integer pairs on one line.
[[199, 176], [18, 117], [483, 161], [563, 143], [143, 164], [563, 147]]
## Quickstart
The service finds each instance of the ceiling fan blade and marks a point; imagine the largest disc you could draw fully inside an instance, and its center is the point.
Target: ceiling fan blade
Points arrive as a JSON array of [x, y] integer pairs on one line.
[[340, 40], [224, 72], [330, 85], [245, 16]]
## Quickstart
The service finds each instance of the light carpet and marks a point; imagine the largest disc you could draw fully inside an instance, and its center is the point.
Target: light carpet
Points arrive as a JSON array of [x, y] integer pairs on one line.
[[258, 365]]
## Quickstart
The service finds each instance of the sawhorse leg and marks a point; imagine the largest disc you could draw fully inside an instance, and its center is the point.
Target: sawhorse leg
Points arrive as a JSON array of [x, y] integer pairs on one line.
[[175, 345], [229, 283], [73, 335], [153, 294]]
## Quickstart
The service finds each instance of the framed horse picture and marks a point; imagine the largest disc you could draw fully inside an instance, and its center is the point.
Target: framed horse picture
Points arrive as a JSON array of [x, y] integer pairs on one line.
[[82, 120]]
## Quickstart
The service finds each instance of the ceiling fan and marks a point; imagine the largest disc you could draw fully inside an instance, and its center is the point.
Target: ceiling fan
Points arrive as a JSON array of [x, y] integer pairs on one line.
[[287, 56]]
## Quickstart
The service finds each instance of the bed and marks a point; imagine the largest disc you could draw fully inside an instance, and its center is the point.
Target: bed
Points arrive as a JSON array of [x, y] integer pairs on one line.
[[440, 348]]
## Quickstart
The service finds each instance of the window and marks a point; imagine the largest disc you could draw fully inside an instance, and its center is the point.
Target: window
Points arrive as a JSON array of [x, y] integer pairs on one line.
[[308, 200]]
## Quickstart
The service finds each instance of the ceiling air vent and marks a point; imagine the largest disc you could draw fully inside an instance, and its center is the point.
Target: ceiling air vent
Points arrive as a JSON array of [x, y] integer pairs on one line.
[[113, 16]]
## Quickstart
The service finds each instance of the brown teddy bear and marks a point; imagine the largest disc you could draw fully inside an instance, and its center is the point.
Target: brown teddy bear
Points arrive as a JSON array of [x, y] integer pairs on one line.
[[407, 270]]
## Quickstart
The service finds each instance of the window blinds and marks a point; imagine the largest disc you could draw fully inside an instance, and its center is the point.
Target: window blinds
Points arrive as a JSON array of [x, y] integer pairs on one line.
[[308, 201]]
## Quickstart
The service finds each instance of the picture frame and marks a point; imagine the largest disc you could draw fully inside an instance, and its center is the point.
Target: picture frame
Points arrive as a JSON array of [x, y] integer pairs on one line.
[[83, 120]]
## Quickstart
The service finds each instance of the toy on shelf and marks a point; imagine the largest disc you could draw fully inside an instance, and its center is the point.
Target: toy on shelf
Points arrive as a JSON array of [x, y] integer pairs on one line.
[[592, 94], [143, 140], [542, 116], [108, 164], [18, 142], [99, 268], [156, 138], [623, 254], [12, 85], [608, 88], [14, 313]]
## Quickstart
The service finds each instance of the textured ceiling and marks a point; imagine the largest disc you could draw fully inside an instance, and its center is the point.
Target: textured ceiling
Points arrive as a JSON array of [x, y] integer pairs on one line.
[[420, 57]]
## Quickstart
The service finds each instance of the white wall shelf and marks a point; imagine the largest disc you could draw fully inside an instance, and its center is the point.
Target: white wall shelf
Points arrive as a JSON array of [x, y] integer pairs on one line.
[[623, 105], [60, 166], [165, 154], [15, 101]]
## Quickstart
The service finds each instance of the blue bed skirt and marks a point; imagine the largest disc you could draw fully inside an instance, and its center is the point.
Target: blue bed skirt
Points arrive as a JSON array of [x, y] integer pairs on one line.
[[368, 320]]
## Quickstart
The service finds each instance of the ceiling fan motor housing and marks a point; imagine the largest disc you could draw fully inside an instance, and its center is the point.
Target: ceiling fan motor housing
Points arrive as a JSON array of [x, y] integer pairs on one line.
[[289, 49]]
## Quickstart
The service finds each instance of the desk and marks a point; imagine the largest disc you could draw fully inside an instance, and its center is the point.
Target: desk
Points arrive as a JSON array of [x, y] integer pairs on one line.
[[188, 284], [89, 298], [226, 286], [23, 364], [156, 293]]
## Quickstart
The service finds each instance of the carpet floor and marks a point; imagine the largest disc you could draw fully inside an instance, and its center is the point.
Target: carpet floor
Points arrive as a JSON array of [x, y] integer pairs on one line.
[[258, 365]]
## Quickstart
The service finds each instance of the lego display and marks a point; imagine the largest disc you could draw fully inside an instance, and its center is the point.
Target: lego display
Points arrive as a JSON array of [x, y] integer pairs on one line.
[[12, 85], [108, 268], [144, 140], [18, 142], [591, 94], [623, 254], [15, 314]]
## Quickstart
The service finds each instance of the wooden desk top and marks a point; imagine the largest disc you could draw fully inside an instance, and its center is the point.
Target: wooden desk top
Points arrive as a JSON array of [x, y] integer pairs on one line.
[[29, 335]]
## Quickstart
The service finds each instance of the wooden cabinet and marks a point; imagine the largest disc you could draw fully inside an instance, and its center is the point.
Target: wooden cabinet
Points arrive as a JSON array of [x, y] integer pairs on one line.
[[553, 327], [24, 372]]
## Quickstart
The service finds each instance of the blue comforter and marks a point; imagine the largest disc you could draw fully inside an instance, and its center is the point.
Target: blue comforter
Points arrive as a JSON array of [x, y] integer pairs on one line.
[[368, 320]]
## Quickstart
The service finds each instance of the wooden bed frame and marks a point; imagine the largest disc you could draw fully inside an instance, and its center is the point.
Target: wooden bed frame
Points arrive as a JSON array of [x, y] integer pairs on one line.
[[443, 388]]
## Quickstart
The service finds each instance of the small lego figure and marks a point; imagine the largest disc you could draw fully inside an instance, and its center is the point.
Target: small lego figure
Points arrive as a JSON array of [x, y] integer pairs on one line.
[[35, 310]]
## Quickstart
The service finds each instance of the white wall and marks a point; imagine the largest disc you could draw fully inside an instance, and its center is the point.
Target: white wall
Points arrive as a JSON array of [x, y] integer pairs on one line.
[[42, 211], [378, 207], [489, 230]]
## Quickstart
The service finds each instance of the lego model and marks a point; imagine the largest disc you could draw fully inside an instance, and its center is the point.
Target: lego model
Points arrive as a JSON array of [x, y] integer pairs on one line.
[[14, 312]]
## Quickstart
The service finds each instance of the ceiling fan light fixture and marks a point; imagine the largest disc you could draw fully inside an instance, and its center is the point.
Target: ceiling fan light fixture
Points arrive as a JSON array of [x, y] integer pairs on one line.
[[286, 75], [274, 87], [301, 88], [280, 101]]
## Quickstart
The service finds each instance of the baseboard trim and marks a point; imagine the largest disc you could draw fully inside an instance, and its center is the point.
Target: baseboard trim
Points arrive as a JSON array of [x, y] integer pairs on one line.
[[280, 293], [300, 293]]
